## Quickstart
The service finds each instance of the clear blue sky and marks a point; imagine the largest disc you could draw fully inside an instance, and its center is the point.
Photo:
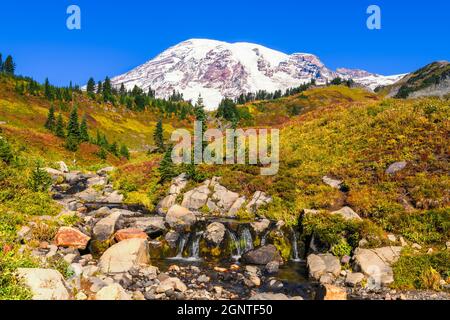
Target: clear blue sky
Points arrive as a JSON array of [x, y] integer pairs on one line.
[[119, 35]]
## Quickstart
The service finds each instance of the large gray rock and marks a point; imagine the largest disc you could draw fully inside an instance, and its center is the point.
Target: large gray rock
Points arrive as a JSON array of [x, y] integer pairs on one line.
[[237, 205], [147, 224], [347, 213], [376, 263], [197, 198], [320, 264], [179, 217], [114, 197], [89, 195], [262, 255], [260, 226], [125, 255], [45, 284], [334, 183], [222, 199], [259, 199], [106, 227], [215, 233], [396, 167], [178, 184], [62, 166], [354, 278]]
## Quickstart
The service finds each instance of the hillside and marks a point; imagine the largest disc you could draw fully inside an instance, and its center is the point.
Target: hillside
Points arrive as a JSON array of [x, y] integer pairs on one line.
[[431, 80]]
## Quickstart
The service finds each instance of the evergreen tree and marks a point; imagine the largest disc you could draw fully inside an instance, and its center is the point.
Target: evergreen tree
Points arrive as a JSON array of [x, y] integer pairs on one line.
[[40, 180], [107, 90], [158, 136], [59, 130], [114, 149], [6, 153], [200, 115], [90, 87], [227, 110], [1, 63], [124, 152], [51, 120], [48, 92], [73, 131], [166, 168], [99, 88], [122, 90], [84, 135], [9, 66]]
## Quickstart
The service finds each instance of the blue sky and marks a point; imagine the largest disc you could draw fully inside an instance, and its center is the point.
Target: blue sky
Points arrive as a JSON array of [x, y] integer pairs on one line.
[[119, 35]]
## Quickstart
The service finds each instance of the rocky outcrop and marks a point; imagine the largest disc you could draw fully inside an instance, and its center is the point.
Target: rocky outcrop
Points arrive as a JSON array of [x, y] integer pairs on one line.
[[376, 263], [196, 198], [45, 284], [259, 199], [215, 233], [262, 255], [72, 238], [322, 264], [178, 184], [347, 213], [179, 217], [125, 255]]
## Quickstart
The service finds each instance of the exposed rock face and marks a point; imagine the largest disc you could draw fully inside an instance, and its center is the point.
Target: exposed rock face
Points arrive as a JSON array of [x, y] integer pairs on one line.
[[260, 226], [334, 183], [112, 292], [396, 167], [105, 228], [179, 217], [320, 264], [197, 198], [130, 233], [262, 255], [376, 263], [347, 213], [215, 233], [178, 184], [222, 199], [125, 255], [45, 284], [237, 205], [71, 237], [259, 199]]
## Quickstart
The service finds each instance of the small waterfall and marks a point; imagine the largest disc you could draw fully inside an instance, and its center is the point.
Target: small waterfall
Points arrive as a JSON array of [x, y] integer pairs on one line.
[[236, 245], [264, 238], [246, 240], [295, 256], [195, 246], [181, 245]]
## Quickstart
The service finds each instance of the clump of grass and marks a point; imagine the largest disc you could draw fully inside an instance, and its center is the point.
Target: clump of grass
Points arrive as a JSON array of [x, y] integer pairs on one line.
[[11, 287]]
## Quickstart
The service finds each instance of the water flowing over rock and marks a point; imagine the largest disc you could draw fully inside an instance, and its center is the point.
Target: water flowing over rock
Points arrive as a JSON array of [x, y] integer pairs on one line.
[[71, 237], [125, 255], [45, 284], [262, 255], [215, 233], [179, 217], [376, 263]]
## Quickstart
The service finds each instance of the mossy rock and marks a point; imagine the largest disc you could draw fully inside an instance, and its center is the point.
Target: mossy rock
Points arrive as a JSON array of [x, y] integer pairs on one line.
[[282, 243]]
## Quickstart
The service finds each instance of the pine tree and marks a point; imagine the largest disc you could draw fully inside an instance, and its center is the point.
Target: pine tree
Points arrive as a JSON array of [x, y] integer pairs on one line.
[[158, 136], [227, 110], [107, 89], [48, 92], [90, 87], [166, 168], [124, 152], [40, 180], [122, 90], [1, 63], [73, 127], [114, 149], [51, 120], [9, 66], [59, 130], [200, 115], [99, 88], [84, 135]]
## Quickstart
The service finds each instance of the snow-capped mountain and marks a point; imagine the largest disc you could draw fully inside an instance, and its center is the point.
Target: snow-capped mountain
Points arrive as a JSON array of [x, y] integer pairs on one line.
[[216, 69]]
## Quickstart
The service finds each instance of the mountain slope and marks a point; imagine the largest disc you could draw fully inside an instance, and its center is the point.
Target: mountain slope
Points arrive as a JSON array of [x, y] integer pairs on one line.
[[218, 69], [431, 80]]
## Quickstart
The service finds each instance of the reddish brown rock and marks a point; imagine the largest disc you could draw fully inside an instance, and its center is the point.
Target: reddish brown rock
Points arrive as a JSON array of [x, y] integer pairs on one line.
[[71, 237], [330, 292], [130, 233]]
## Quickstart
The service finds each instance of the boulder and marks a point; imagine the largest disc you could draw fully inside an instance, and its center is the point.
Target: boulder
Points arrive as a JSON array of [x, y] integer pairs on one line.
[[215, 233], [45, 284], [237, 205], [112, 292], [105, 228], [376, 263], [347, 213], [147, 224], [72, 238], [89, 195], [222, 198], [396, 167], [178, 184], [259, 199], [105, 171], [330, 292], [172, 238], [179, 217], [319, 264], [334, 183], [125, 255], [96, 181], [262, 255], [166, 203], [171, 283], [197, 198], [130, 233], [114, 197], [273, 296], [24, 233], [353, 279], [62, 166], [260, 226], [272, 267]]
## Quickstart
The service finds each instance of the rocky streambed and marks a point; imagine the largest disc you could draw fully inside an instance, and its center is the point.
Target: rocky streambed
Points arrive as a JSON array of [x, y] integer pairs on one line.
[[192, 247]]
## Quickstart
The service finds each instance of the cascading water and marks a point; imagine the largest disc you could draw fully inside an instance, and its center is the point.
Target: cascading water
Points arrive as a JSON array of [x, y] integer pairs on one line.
[[235, 245], [195, 246], [295, 255], [246, 240], [181, 245]]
